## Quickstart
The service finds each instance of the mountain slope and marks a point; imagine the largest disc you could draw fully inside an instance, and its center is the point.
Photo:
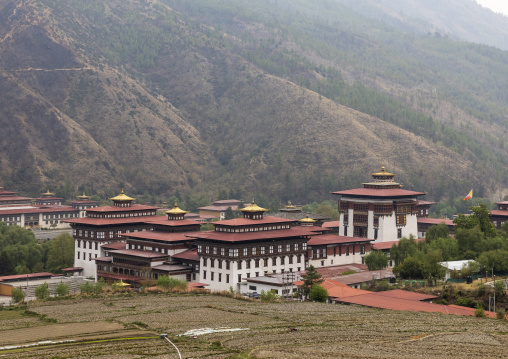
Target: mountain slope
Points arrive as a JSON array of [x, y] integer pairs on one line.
[[162, 96]]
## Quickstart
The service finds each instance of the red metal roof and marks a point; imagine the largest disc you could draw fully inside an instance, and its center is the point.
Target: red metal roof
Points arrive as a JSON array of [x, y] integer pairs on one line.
[[73, 269], [252, 236], [14, 198], [383, 245], [171, 223], [436, 221], [331, 224], [25, 276], [425, 203], [133, 208], [35, 209], [159, 236], [335, 239], [218, 208], [406, 294], [249, 222], [499, 212], [191, 254], [111, 221], [379, 192], [196, 285], [6, 193], [374, 300], [139, 253], [115, 245]]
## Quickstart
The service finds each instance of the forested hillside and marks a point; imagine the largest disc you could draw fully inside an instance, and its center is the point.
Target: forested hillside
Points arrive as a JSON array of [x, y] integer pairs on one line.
[[281, 99]]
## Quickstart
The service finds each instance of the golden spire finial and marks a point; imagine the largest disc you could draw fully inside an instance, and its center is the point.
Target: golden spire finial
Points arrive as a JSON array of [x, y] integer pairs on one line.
[[383, 167]]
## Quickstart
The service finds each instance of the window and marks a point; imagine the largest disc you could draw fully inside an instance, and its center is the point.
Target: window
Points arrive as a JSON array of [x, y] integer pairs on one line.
[[222, 251], [347, 250], [279, 248], [291, 259], [78, 255], [227, 278], [212, 263], [78, 243], [282, 260], [207, 249], [228, 265], [262, 250], [296, 246], [204, 261], [288, 247], [245, 252], [257, 263], [96, 246], [247, 264], [399, 233], [239, 278], [304, 246], [200, 248], [239, 265], [270, 249], [215, 250], [204, 274], [211, 275], [362, 249], [219, 263], [90, 245], [274, 261], [253, 251], [252, 287], [220, 277], [265, 262], [299, 259]]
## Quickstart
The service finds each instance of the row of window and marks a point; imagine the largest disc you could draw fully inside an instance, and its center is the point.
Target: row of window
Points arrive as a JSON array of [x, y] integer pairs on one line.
[[90, 244], [63, 216], [245, 252], [101, 234], [322, 252], [121, 215], [257, 262], [10, 219], [226, 276], [250, 229]]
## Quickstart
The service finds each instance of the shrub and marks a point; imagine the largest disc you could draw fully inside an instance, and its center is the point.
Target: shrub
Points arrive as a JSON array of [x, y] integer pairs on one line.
[[87, 288], [479, 312], [500, 313], [481, 289], [467, 302], [62, 289], [42, 291], [171, 283], [499, 288], [269, 296], [100, 285], [318, 293], [18, 295]]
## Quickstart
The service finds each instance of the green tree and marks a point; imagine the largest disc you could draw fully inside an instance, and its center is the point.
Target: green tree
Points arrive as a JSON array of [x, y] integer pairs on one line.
[[17, 295], [376, 260], [411, 268], [62, 289], [318, 293], [499, 289], [268, 296], [310, 277], [479, 217], [432, 268], [229, 214], [435, 232], [60, 253], [87, 288], [42, 291]]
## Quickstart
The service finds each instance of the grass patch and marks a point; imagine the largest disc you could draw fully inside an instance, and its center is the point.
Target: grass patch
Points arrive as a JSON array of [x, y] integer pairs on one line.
[[10, 314]]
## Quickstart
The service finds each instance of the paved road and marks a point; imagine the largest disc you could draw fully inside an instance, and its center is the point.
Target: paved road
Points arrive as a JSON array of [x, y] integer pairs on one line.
[[50, 234]]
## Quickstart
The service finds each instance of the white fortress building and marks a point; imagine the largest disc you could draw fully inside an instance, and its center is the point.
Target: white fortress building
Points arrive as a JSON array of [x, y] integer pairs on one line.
[[381, 210]]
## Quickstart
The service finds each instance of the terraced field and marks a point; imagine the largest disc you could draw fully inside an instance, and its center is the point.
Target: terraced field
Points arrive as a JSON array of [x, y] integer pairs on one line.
[[128, 327]]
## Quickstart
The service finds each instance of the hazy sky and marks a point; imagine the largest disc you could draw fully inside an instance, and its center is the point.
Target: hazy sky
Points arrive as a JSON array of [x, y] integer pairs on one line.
[[496, 5]]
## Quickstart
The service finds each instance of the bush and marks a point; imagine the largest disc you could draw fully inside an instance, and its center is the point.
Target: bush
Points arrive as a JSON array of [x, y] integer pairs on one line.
[[171, 283], [62, 289], [87, 288], [18, 295], [467, 302], [479, 312], [481, 289], [42, 291], [269, 296], [318, 293], [500, 313], [499, 288]]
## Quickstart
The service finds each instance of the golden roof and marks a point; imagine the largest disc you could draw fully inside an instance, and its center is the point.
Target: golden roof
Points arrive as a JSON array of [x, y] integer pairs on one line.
[[176, 210], [122, 197], [84, 196], [48, 193], [383, 172], [290, 205], [253, 208], [307, 220]]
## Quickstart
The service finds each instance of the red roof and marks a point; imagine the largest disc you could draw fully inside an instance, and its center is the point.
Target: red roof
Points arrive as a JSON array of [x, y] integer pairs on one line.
[[331, 224], [191, 254], [171, 223], [406, 294], [84, 201], [25, 276], [104, 259], [159, 236], [375, 300], [252, 236], [14, 198], [334, 239], [48, 199], [111, 221], [115, 245], [383, 245], [196, 285], [249, 222], [425, 203], [379, 192], [39, 210], [73, 269], [172, 268], [436, 221], [133, 207], [6, 193], [336, 271], [218, 208], [139, 253], [499, 212], [122, 277]]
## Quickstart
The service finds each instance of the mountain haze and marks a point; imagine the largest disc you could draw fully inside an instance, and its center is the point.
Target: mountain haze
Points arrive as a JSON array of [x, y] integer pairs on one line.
[[288, 99]]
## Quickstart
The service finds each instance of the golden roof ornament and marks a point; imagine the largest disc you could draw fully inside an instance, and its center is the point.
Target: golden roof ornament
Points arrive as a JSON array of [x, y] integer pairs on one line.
[[122, 197], [307, 219], [176, 210], [253, 208], [48, 193], [383, 172], [84, 196]]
